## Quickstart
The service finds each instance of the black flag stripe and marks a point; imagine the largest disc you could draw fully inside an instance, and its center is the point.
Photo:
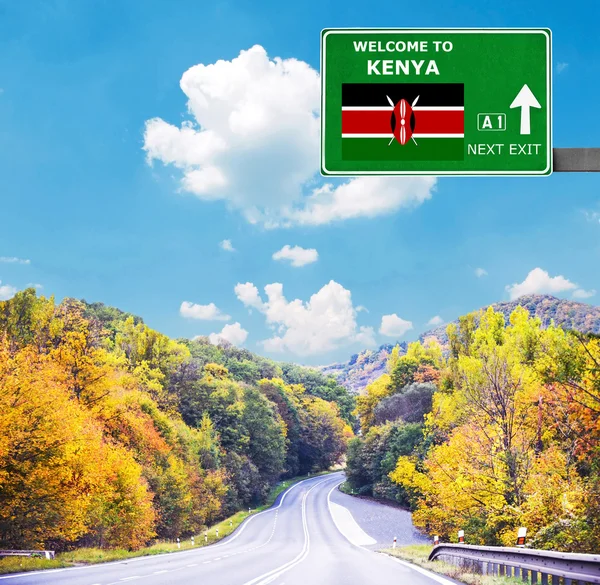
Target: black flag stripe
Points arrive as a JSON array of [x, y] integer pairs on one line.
[[430, 94]]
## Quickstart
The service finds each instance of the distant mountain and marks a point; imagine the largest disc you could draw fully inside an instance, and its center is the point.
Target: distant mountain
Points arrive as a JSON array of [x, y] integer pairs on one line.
[[362, 368], [368, 365]]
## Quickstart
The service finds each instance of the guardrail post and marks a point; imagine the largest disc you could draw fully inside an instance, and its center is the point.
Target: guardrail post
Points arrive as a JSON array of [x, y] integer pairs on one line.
[[517, 572], [525, 575], [555, 580], [544, 579], [534, 578]]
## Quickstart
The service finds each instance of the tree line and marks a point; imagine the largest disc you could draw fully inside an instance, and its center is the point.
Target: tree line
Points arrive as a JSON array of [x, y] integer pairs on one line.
[[502, 430], [112, 434]]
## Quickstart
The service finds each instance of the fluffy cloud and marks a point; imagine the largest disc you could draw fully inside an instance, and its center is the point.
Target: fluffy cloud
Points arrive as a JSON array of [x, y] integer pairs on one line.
[[361, 197], [254, 143], [208, 312], [539, 281], [583, 294], [323, 323], [234, 334], [6, 291], [227, 246], [479, 272], [297, 256], [394, 326], [249, 295], [437, 320], [14, 260]]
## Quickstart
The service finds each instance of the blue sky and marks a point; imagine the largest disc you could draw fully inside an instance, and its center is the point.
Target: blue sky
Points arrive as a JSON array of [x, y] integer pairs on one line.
[[80, 81]]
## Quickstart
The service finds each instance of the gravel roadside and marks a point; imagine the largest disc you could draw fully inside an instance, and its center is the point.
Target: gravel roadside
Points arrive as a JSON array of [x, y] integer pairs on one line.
[[381, 521]]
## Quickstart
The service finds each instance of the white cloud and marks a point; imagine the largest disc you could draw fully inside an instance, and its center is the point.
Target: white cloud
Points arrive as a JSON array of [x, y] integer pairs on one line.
[[592, 216], [249, 295], [208, 312], [437, 320], [34, 285], [583, 294], [323, 323], [361, 197], [539, 281], [234, 334], [254, 143], [297, 255], [479, 272], [6, 291], [394, 326], [14, 260], [361, 308], [227, 246], [561, 66]]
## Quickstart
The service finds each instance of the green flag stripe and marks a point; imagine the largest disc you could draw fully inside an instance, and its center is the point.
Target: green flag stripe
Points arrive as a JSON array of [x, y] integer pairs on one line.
[[374, 149]]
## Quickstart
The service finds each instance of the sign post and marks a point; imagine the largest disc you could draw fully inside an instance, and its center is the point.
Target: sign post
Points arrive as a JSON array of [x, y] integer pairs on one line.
[[436, 102]]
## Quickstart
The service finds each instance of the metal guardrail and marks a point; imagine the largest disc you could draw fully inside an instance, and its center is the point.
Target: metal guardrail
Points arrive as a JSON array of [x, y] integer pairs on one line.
[[47, 554], [528, 564]]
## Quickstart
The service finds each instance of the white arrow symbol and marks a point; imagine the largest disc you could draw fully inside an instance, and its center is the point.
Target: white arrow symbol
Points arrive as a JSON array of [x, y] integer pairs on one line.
[[525, 100]]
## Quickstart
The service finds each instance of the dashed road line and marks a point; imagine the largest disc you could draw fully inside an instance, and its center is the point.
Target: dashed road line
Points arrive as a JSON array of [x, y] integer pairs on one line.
[[225, 541]]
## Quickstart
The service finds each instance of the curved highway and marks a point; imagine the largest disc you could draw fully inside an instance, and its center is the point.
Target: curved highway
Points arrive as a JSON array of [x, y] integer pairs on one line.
[[304, 538]]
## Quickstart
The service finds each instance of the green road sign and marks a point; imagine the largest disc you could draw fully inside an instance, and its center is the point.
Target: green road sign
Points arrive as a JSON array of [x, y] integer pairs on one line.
[[436, 102]]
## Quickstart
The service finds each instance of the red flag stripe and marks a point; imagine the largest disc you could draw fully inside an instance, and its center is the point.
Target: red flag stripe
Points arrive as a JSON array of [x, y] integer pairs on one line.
[[379, 122]]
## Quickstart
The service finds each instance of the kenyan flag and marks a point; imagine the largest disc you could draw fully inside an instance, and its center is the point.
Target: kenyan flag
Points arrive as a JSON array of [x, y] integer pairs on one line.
[[403, 121]]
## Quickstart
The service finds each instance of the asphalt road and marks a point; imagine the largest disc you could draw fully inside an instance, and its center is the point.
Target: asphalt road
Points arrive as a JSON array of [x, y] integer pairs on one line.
[[304, 538]]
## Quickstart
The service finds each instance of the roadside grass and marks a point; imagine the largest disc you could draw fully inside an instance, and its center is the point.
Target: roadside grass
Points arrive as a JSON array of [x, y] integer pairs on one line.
[[21, 564], [418, 554], [83, 556]]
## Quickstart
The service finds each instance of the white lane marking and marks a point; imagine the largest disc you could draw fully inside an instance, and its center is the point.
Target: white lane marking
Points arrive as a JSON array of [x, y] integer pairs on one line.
[[425, 572], [160, 572], [250, 518], [206, 562], [239, 530], [429, 574], [348, 526], [278, 571], [130, 578], [192, 565]]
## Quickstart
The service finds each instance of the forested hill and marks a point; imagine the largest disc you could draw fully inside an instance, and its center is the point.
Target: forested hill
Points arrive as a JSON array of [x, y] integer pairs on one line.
[[112, 434], [368, 365]]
